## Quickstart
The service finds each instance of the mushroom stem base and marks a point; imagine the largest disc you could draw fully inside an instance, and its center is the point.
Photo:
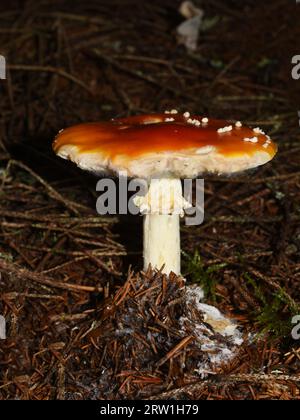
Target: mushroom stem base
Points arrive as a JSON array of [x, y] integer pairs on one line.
[[162, 242]]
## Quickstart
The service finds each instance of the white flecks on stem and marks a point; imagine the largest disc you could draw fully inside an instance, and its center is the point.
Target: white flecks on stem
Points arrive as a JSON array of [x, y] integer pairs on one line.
[[162, 207], [164, 196]]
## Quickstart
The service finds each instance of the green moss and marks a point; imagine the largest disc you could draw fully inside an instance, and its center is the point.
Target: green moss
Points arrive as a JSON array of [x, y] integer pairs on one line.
[[275, 311], [197, 273], [6, 257]]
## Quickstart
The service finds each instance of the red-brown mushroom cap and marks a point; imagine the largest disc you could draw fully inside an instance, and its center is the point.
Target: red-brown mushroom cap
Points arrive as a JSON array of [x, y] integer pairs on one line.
[[163, 145]]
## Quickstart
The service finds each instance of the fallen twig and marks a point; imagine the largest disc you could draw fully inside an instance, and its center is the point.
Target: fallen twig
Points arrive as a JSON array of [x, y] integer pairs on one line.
[[23, 274]]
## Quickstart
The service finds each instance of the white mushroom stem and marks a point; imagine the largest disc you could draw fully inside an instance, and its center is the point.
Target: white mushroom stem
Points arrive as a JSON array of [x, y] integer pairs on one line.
[[162, 242], [162, 207]]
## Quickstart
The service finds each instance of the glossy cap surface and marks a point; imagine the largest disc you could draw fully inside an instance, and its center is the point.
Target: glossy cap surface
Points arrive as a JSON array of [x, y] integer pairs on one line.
[[163, 145]]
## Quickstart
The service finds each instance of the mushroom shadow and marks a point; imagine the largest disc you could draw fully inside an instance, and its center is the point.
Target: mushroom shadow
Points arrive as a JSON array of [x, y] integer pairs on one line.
[[130, 234], [130, 231]]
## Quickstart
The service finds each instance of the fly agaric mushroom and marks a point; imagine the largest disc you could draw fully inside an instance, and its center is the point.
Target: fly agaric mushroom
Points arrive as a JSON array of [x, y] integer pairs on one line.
[[163, 149]]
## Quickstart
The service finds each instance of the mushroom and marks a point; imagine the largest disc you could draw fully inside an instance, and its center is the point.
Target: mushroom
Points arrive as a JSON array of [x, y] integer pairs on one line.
[[163, 149]]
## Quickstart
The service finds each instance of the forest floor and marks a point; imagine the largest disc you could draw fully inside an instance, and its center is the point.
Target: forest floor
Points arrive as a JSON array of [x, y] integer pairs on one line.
[[67, 275]]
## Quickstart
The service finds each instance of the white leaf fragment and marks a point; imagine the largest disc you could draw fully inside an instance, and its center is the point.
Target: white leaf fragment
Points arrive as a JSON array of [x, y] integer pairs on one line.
[[188, 31]]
